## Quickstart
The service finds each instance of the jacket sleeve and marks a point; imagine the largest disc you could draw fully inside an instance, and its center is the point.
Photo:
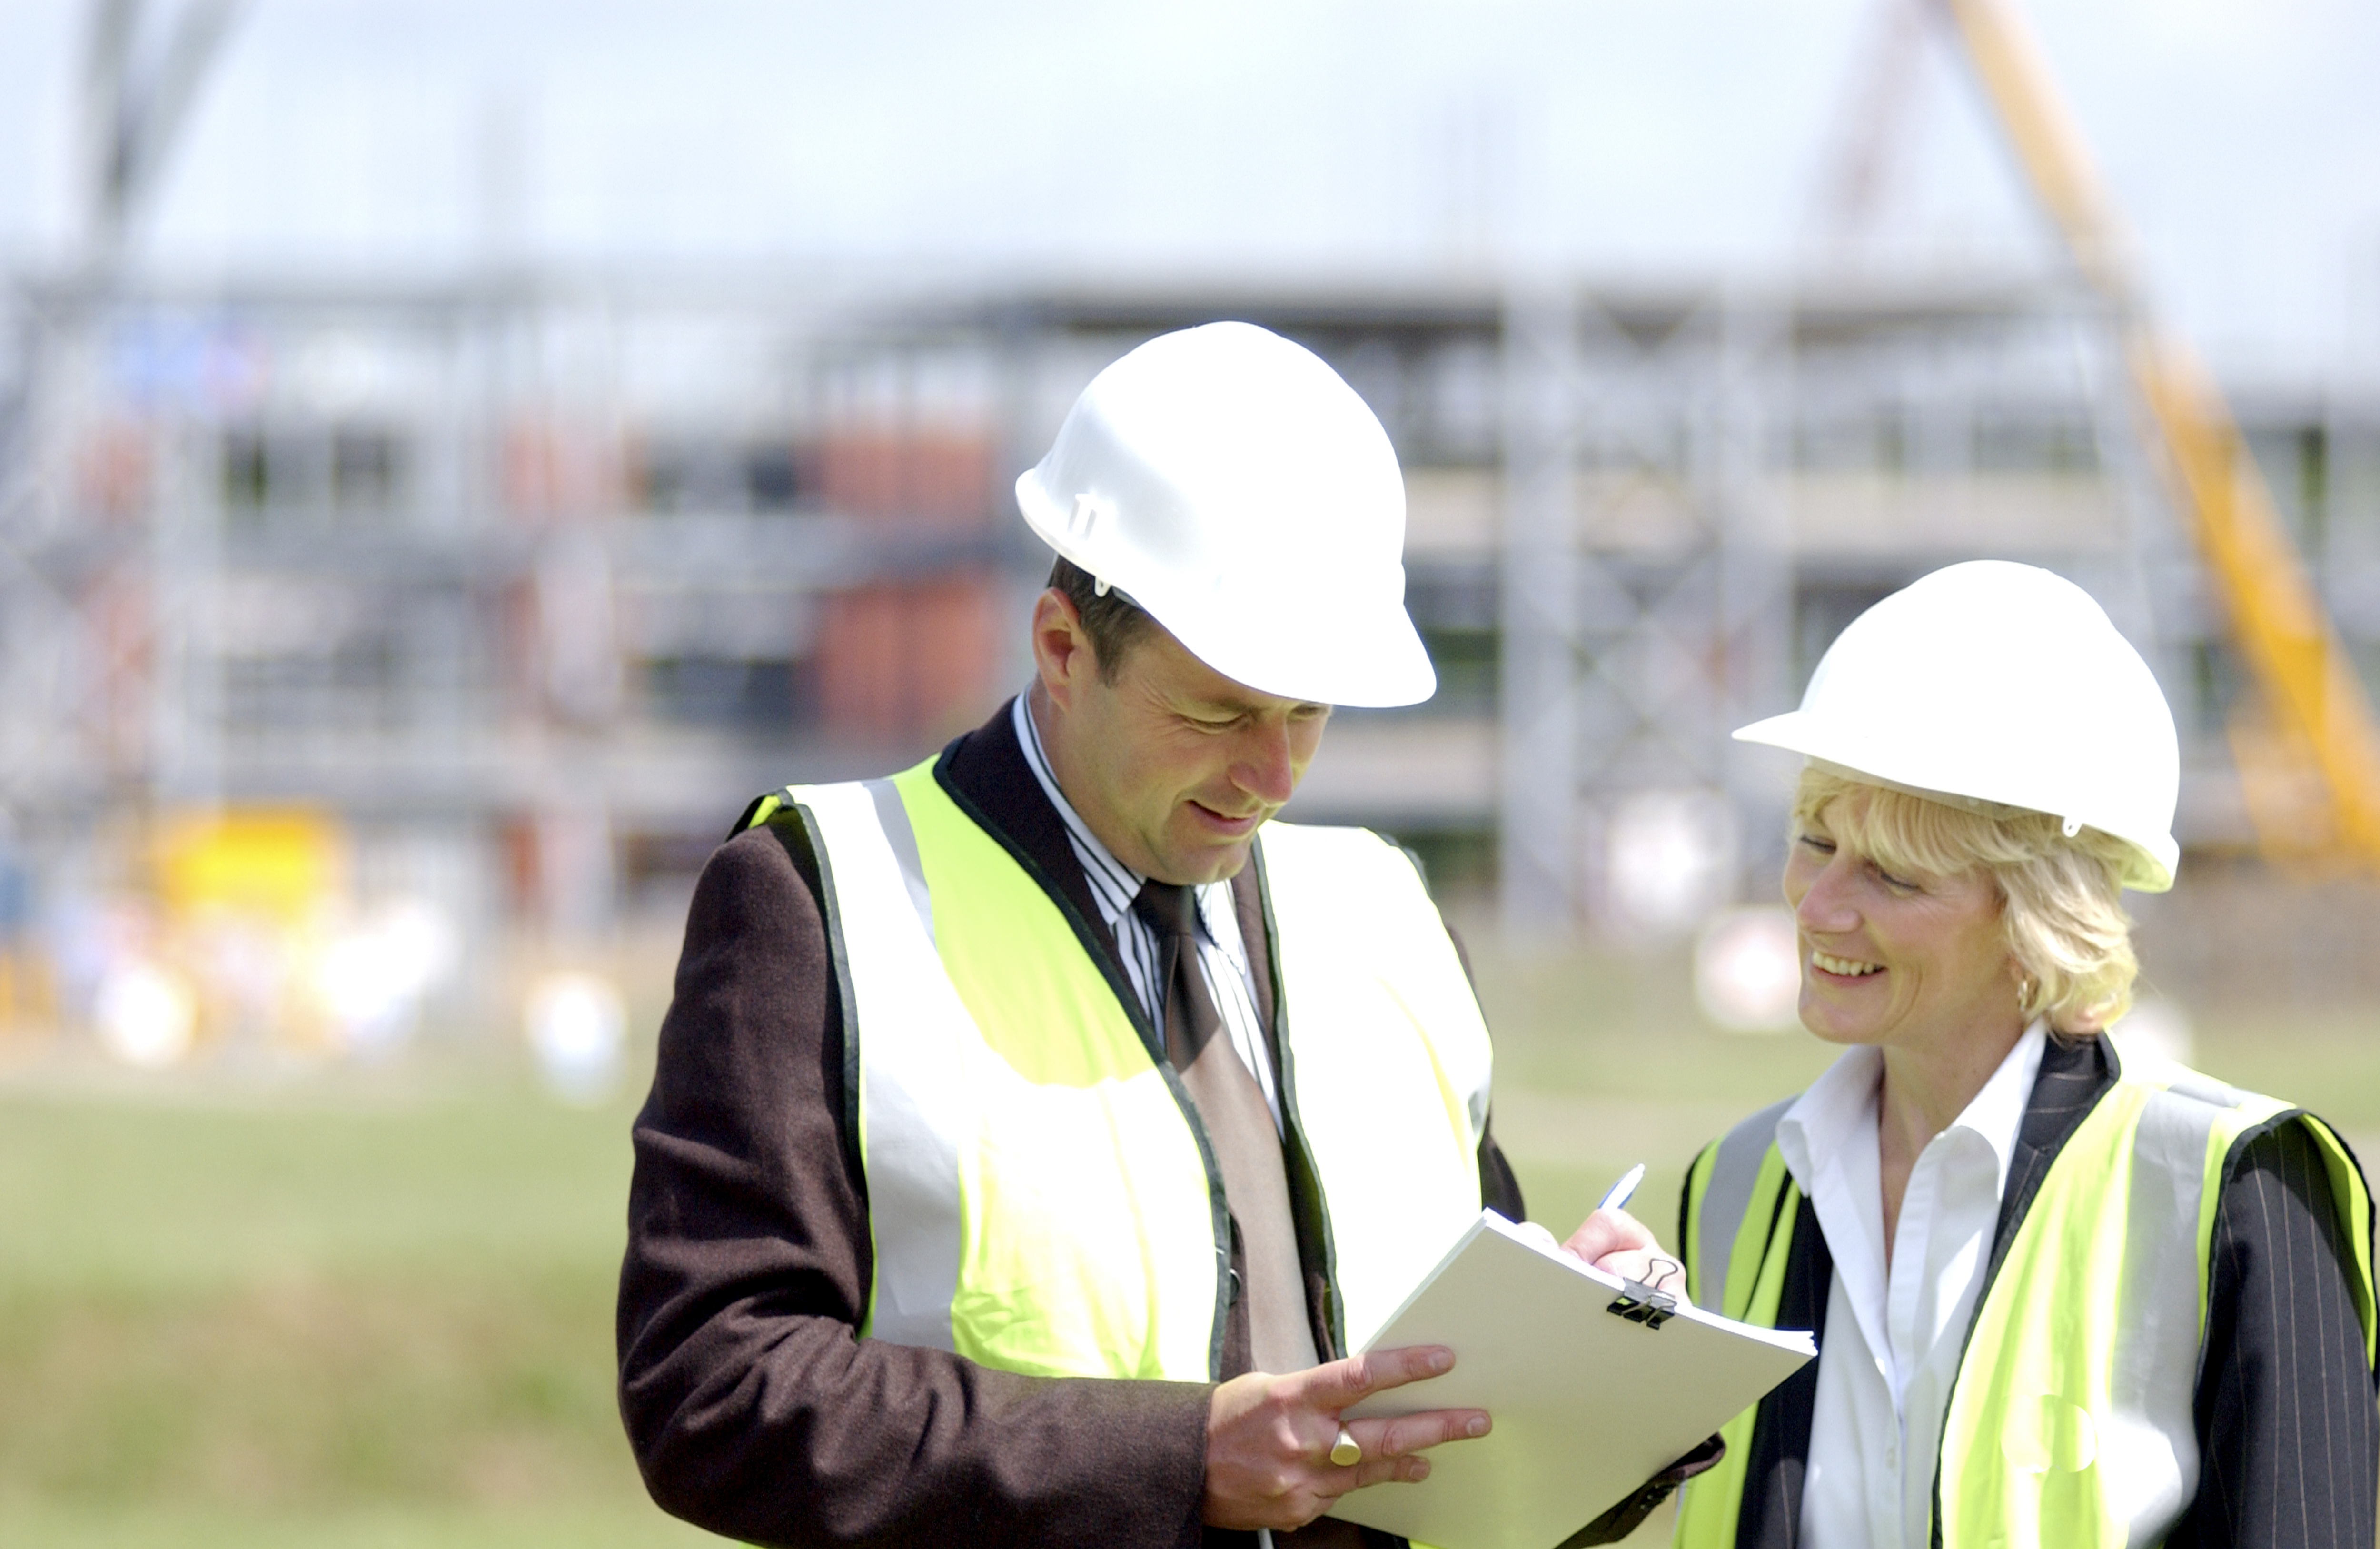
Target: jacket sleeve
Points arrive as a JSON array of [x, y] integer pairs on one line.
[[2288, 1433], [753, 1407], [1499, 1188]]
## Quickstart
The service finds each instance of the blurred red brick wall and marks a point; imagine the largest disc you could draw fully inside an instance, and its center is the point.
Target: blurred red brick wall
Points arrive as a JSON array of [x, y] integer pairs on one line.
[[899, 659], [927, 479]]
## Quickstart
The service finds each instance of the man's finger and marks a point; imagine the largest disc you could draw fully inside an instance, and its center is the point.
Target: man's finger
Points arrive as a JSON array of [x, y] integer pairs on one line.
[[1404, 1434], [1378, 1470], [1338, 1383]]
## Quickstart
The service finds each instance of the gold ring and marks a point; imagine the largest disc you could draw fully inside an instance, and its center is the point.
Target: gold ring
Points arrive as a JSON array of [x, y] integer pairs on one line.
[[1345, 1451]]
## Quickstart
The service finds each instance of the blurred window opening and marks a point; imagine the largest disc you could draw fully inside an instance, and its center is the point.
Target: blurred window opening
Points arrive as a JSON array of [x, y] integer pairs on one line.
[[365, 469], [683, 476], [2216, 680], [761, 697], [246, 476], [772, 478], [2313, 491], [292, 477], [1468, 662], [1822, 610], [1455, 610], [2019, 443], [1869, 443]]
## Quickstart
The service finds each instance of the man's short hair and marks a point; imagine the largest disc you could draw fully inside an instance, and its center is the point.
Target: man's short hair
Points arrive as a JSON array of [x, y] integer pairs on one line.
[[1114, 621], [2060, 909]]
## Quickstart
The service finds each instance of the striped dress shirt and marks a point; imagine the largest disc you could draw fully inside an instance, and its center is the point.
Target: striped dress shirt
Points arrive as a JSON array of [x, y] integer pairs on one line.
[[1222, 954]]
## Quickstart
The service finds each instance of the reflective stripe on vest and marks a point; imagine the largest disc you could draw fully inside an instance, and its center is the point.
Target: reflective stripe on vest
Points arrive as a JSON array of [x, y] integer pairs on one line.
[[1041, 1195], [2070, 1418], [1384, 1047], [1741, 1205]]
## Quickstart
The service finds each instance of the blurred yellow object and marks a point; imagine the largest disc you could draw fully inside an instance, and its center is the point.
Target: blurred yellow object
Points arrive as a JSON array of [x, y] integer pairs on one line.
[[281, 863], [28, 993], [2310, 752]]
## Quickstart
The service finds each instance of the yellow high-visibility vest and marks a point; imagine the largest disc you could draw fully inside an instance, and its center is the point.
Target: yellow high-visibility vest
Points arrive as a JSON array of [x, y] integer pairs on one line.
[[1040, 1194], [2069, 1419]]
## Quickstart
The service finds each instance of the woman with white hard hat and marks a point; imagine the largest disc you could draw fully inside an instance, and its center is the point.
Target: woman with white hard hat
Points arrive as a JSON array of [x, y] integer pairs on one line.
[[2063, 1295]]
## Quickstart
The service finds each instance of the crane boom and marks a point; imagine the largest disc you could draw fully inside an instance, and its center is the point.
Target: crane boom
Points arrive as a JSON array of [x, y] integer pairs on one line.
[[2314, 706]]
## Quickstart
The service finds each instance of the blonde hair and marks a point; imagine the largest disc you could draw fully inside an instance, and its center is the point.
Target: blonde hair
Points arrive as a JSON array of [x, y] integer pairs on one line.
[[2059, 912]]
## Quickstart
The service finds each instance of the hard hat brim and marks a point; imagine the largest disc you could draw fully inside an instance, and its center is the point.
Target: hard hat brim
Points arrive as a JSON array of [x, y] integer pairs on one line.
[[1371, 660], [1373, 664], [2151, 859]]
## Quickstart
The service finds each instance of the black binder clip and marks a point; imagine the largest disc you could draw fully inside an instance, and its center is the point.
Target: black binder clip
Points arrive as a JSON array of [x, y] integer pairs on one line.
[[1640, 1303], [1648, 1304]]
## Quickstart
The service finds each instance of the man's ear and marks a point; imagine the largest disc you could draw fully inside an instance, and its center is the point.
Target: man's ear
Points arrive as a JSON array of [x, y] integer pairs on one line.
[[1064, 656]]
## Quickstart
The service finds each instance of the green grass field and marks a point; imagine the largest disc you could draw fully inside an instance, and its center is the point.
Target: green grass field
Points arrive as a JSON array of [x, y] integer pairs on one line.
[[338, 1314], [313, 1319]]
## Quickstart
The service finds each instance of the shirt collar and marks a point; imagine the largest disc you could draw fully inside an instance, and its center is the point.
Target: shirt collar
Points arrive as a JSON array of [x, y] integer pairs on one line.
[[1997, 1112], [1839, 1109], [1836, 1113], [1114, 884]]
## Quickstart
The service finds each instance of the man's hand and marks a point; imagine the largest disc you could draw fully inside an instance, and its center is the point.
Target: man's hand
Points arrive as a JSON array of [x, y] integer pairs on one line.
[[1617, 1243], [1269, 1438]]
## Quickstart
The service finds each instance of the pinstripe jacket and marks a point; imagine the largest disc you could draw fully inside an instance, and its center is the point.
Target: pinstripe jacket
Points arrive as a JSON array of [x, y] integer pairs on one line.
[[2288, 1427]]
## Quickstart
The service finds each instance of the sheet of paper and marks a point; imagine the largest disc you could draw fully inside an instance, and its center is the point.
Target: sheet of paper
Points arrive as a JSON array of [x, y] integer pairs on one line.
[[1587, 1405]]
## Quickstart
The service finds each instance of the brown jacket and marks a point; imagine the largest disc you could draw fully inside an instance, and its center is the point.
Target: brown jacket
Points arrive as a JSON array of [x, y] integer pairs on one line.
[[753, 1407]]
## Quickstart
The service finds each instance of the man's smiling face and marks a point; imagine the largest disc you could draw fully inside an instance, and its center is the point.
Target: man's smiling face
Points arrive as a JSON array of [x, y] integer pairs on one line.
[[1173, 765]]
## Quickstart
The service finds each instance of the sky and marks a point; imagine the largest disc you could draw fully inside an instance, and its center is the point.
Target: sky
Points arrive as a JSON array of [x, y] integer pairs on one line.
[[1315, 139]]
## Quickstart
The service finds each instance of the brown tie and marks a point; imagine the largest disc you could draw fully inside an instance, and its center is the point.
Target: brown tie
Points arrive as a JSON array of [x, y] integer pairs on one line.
[[1240, 1128]]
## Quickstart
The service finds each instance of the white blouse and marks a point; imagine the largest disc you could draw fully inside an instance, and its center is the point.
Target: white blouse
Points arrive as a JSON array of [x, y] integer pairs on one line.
[[1892, 1341]]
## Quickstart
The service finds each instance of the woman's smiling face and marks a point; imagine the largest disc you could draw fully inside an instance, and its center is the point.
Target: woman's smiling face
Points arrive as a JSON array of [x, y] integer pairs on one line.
[[1912, 961]]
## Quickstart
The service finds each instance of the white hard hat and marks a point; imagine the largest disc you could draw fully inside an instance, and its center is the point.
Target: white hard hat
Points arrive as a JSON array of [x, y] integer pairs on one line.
[[1228, 482], [2002, 685]]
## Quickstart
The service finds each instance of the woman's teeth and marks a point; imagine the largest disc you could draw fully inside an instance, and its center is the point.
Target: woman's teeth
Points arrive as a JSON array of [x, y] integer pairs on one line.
[[1845, 965]]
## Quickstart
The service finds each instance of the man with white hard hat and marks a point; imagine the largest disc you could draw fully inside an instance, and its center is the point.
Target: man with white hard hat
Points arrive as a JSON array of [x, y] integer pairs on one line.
[[1036, 1130]]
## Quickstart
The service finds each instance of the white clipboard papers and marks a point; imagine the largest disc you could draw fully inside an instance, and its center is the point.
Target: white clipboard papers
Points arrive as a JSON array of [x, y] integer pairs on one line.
[[1595, 1386]]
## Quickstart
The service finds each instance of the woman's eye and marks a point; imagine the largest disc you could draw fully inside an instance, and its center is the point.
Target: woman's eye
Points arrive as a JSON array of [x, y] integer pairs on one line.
[[1822, 846], [1891, 881]]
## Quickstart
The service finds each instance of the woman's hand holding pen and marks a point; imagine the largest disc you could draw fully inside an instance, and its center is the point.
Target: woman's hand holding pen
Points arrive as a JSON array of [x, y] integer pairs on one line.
[[1616, 1242]]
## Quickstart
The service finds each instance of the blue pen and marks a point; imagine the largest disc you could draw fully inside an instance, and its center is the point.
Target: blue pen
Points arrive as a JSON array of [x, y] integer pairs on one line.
[[1619, 1193]]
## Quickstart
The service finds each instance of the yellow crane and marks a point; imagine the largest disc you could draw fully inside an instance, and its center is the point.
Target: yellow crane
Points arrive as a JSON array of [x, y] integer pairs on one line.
[[2308, 749]]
